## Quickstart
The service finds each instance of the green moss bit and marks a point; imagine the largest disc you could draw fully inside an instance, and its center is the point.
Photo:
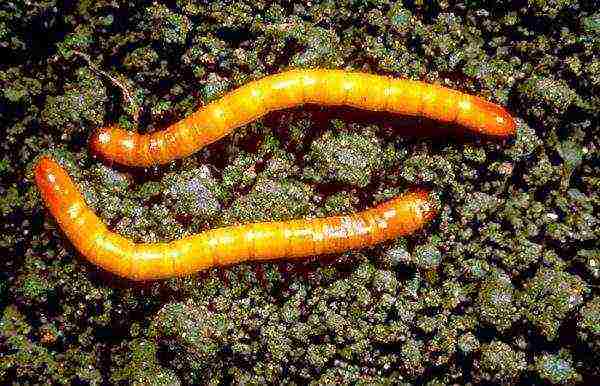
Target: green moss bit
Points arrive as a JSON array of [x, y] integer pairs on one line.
[[34, 288], [572, 155], [495, 74], [593, 71], [478, 206], [319, 355], [493, 232], [549, 92], [141, 59], [385, 282], [18, 88], [81, 105], [551, 259], [214, 88], [319, 46], [557, 368], [10, 20], [397, 254], [476, 268], [28, 360], [400, 18], [580, 223], [525, 215], [591, 24], [5, 166], [501, 363], [110, 179], [281, 164], [427, 256], [443, 346], [495, 301], [411, 355], [425, 167], [525, 144], [589, 318], [542, 172], [142, 367], [550, 8], [79, 40], [474, 154], [337, 203], [204, 51], [430, 324], [195, 325], [10, 199], [346, 158], [468, 343], [549, 297], [173, 28], [193, 193], [132, 219], [591, 259], [241, 172], [524, 254], [273, 200], [161, 107]]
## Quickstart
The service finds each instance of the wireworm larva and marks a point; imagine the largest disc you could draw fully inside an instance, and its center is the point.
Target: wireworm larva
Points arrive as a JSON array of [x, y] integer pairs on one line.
[[294, 88], [222, 246]]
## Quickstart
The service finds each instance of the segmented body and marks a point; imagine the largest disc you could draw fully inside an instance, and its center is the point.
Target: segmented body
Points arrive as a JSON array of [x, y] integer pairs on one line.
[[222, 246], [294, 88]]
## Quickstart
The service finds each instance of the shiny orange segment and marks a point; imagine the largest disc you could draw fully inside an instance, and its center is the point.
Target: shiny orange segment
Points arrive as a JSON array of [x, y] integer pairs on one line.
[[223, 246], [295, 88]]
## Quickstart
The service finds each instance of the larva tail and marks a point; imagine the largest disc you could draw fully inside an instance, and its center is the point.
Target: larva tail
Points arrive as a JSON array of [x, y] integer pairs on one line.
[[490, 118]]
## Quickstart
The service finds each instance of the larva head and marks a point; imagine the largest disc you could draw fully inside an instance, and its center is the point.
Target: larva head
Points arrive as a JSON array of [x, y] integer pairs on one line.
[[52, 181], [101, 141], [41, 171], [495, 120], [114, 143], [409, 212]]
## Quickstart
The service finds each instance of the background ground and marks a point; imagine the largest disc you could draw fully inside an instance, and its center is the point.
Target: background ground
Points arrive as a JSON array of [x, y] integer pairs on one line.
[[502, 287]]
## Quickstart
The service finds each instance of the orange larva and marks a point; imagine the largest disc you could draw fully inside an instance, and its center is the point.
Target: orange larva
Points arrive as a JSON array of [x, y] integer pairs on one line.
[[222, 246], [294, 88]]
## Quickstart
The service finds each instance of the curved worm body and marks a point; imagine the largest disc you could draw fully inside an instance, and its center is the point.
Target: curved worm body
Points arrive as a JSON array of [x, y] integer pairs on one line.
[[294, 88], [221, 246]]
